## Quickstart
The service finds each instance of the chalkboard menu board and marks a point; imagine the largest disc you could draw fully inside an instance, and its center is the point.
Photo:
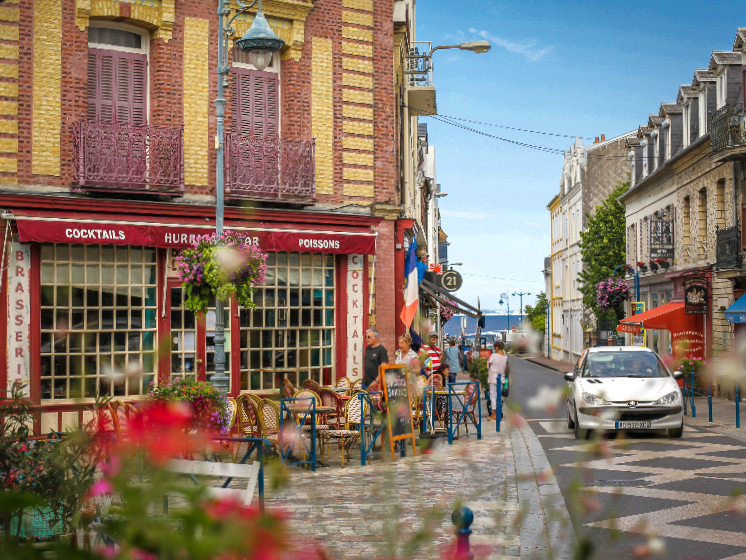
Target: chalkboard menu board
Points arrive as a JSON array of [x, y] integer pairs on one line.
[[399, 409]]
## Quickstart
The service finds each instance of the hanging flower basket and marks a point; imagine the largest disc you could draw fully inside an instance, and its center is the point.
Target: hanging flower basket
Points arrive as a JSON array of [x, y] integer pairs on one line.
[[220, 266], [446, 314], [611, 295], [208, 406]]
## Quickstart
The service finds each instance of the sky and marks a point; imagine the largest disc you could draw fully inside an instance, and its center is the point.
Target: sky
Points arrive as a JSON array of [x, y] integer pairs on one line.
[[574, 69]]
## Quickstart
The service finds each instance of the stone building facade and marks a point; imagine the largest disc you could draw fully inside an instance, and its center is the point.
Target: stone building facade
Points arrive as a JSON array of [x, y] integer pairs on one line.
[[684, 195], [108, 166], [589, 175]]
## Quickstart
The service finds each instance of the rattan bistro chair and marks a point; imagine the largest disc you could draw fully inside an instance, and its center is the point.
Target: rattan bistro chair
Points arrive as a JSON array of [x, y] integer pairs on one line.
[[269, 418], [249, 424], [311, 384], [334, 420], [343, 382], [350, 434]]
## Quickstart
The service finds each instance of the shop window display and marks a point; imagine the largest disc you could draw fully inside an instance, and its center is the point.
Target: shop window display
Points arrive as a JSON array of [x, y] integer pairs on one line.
[[98, 320], [292, 326]]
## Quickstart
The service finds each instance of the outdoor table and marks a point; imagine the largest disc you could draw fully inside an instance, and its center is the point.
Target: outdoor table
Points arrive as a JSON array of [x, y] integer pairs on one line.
[[320, 411], [442, 397]]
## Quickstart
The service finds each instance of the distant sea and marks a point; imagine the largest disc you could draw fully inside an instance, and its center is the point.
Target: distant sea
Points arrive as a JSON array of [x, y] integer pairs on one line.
[[492, 323]]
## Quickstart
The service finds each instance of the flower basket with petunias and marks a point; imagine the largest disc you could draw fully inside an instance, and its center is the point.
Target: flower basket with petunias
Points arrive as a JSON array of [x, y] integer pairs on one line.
[[446, 314], [611, 295], [220, 266], [208, 406], [692, 364]]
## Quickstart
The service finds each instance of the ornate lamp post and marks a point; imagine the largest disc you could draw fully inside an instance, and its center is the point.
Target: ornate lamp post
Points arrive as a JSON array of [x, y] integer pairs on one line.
[[521, 294], [261, 43]]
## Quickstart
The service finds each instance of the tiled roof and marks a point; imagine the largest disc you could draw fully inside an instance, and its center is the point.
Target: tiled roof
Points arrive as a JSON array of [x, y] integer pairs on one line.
[[725, 57], [740, 39], [669, 109]]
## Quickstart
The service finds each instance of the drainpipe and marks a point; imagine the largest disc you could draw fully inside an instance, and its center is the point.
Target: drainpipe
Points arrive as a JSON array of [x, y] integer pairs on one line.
[[735, 193]]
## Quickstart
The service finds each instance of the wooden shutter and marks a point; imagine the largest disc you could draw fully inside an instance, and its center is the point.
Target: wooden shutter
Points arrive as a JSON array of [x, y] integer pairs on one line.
[[117, 86], [256, 102]]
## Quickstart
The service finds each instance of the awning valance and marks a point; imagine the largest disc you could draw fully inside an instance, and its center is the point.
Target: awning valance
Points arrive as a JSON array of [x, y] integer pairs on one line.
[[64, 229], [736, 313], [687, 334]]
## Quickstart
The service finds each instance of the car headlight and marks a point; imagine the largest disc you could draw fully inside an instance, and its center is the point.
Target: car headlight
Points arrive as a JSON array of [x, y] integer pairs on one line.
[[669, 398], [594, 399]]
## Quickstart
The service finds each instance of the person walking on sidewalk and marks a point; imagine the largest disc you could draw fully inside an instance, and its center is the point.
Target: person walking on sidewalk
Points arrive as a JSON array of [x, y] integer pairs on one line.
[[433, 351], [497, 364], [405, 354], [374, 357], [450, 357]]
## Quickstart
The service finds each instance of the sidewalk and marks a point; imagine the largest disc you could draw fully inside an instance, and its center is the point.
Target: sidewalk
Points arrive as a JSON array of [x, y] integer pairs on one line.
[[361, 512], [723, 417]]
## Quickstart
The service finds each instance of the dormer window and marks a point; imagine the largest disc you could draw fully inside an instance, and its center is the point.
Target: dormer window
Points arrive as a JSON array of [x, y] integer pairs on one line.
[[656, 150], [667, 143], [722, 90], [702, 127], [645, 157]]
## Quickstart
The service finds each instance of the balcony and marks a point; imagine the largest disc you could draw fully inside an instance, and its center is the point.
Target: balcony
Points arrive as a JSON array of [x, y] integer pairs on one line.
[[419, 79], [133, 158], [727, 136], [443, 251], [729, 248], [270, 168]]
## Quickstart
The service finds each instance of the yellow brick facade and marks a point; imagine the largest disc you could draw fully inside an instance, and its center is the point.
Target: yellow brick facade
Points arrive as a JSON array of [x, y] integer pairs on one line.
[[9, 108], [8, 90], [355, 112], [364, 5], [357, 49], [357, 18], [357, 34], [355, 127], [8, 70], [10, 14], [196, 101], [9, 33], [8, 127], [357, 65], [355, 158], [9, 145], [359, 190], [9, 52], [357, 174], [356, 80], [47, 87], [322, 112], [354, 143], [8, 165], [355, 96]]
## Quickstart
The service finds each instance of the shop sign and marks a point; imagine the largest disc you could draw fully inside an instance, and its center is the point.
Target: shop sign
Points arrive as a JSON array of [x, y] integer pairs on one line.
[[19, 315], [661, 240], [696, 292], [355, 332], [638, 338], [180, 236]]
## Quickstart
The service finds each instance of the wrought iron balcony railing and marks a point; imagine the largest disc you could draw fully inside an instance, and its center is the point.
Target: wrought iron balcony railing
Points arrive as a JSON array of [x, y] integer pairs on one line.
[[270, 168], [729, 247], [130, 157], [725, 127]]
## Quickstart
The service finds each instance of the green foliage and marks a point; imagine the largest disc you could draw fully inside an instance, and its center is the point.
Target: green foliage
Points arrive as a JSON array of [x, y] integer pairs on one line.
[[537, 314], [478, 370], [603, 246], [208, 405]]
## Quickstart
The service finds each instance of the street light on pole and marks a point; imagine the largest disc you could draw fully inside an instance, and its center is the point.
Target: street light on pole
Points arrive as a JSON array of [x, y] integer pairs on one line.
[[260, 42], [521, 294], [503, 298]]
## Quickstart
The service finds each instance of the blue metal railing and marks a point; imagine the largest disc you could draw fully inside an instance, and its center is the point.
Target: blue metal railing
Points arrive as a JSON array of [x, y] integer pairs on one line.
[[465, 415], [366, 450], [287, 410]]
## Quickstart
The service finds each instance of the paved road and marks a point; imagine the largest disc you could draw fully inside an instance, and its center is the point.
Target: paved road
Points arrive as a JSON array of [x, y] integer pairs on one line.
[[681, 490]]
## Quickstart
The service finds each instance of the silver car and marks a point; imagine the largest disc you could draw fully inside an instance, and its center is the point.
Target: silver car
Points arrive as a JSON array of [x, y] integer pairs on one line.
[[623, 388]]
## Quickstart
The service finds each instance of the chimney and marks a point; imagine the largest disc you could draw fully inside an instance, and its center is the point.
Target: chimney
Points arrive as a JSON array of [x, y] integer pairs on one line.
[[603, 138], [596, 140]]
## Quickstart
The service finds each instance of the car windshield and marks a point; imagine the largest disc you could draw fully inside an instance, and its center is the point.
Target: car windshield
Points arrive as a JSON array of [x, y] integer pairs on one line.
[[468, 341], [624, 364]]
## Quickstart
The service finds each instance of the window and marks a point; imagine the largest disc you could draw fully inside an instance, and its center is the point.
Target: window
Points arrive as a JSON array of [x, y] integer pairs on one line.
[[686, 223], [667, 144], [722, 91], [720, 193], [686, 114], [117, 76], [98, 320], [703, 124], [256, 97], [702, 224], [292, 326]]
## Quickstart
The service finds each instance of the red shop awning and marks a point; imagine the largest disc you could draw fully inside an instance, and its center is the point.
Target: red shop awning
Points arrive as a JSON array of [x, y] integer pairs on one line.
[[63, 229], [687, 333]]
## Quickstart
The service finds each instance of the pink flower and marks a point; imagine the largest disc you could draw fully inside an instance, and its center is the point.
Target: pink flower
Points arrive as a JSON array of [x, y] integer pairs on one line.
[[100, 487]]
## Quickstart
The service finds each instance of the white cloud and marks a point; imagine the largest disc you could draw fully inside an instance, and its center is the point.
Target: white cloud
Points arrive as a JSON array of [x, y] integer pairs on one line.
[[527, 48], [534, 224]]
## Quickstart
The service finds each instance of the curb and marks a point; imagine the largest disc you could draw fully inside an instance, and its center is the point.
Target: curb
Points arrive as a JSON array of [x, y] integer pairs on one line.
[[540, 364]]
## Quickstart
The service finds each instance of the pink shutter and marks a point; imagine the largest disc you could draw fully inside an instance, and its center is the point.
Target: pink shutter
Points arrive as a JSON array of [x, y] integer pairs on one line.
[[139, 90], [101, 84], [117, 86], [256, 103], [131, 86]]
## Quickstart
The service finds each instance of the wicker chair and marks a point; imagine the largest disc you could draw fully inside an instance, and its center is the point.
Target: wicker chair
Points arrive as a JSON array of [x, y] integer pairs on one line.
[[308, 394], [334, 420], [120, 412], [249, 418], [311, 384], [345, 437], [343, 382], [357, 384], [437, 381], [269, 418]]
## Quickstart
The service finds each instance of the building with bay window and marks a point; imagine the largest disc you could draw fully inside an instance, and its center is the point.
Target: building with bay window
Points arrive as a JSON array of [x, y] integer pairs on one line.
[[107, 170]]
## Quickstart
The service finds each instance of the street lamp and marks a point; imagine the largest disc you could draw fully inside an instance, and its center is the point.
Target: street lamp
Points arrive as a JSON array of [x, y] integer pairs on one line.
[[506, 298], [521, 294], [478, 47], [261, 43]]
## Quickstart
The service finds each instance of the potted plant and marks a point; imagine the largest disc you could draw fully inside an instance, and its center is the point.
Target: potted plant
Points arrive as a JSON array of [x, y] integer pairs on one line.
[[663, 263], [693, 365], [220, 266], [208, 406], [642, 267], [446, 314], [653, 266], [611, 295]]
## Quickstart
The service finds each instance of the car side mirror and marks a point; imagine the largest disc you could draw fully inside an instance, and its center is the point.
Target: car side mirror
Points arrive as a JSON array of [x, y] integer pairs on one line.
[[570, 376], [678, 375]]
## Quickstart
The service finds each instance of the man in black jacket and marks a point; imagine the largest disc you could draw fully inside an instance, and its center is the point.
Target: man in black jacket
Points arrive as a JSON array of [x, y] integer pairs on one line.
[[375, 356]]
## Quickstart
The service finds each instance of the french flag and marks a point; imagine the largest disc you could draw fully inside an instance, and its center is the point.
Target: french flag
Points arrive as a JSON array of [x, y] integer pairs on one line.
[[412, 287]]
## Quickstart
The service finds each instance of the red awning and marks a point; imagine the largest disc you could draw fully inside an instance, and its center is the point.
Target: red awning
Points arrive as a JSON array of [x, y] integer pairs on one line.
[[686, 330], [68, 229]]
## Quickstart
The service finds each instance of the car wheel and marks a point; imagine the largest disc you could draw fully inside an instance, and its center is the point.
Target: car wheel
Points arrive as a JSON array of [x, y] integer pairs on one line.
[[676, 432], [570, 422], [579, 433]]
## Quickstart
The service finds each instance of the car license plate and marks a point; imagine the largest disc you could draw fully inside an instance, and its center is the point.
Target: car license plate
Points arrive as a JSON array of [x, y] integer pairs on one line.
[[633, 425]]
